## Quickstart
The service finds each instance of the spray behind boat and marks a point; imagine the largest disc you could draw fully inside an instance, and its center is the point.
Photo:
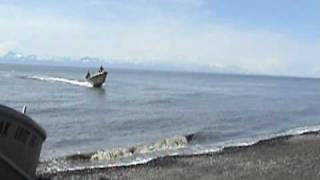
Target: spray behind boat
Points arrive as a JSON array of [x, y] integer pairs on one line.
[[21, 141]]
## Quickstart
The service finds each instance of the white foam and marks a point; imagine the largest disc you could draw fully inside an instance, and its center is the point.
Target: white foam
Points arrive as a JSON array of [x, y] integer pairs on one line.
[[245, 142], [140, 154], [302, 130], [62, 166], [63, 80], [144, 152], [173, 143]]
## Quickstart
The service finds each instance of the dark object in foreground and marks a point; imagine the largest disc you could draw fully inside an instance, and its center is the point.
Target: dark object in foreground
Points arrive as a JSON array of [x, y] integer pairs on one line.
[[20, 144], [98, 78]]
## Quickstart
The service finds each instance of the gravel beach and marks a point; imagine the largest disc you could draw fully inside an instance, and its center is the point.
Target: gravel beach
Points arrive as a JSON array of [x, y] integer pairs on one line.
[[288, 157]]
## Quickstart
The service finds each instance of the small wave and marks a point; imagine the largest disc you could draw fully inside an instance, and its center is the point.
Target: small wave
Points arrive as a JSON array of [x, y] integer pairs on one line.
[[246, 142], [178, 142], [118, 153], [56, 166], [302, 130], [63, 80], [139, 154]]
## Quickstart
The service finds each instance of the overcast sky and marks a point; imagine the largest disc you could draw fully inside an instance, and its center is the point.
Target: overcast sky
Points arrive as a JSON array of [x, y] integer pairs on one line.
[[259, 36]]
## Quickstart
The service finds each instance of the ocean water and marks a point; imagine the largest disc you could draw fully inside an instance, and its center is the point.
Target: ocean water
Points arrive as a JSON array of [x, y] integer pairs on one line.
[[140, 115]]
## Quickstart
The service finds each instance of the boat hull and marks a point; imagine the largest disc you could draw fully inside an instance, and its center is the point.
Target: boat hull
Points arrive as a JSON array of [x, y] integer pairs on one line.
[[11, 171], [20, 145], [98, 79]]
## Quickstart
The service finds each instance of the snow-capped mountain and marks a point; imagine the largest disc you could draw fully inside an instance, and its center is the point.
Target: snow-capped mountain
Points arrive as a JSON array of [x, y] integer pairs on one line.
[[18, 58]]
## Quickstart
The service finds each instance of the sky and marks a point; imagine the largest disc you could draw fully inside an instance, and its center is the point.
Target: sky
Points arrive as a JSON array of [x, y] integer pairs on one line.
[[276, 37]]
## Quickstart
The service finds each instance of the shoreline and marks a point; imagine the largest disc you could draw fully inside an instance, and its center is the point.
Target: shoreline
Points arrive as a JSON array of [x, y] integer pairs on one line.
[[284, 157]]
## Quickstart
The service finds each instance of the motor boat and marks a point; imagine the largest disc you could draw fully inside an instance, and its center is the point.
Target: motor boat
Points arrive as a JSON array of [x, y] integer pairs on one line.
[[98, 78], [21, 141]]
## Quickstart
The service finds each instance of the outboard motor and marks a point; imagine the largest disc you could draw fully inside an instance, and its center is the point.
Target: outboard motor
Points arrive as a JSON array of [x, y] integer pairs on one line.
[[21, 141]]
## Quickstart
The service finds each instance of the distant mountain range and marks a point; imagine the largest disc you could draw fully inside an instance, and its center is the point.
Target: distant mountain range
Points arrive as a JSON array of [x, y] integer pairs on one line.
[[18, 58]]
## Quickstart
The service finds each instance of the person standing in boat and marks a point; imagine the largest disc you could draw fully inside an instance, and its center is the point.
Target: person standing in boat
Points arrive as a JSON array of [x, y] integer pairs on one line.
[[101, 69], [88, 75]]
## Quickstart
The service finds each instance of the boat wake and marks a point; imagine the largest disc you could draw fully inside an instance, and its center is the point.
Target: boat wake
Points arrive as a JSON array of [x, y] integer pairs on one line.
[[62, 80]]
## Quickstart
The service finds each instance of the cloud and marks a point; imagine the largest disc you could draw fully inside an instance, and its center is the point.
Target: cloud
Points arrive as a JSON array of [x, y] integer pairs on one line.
[[157, 39], [6, 46], [190, 3]]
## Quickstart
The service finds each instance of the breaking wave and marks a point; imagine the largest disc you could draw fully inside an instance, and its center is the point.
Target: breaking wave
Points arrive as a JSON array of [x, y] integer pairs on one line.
[[62, 80], [116, 157], [141, 154], [118, 153]]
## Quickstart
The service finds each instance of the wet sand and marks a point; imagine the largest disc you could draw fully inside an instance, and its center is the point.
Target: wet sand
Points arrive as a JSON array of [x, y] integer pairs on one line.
[[288, 157]]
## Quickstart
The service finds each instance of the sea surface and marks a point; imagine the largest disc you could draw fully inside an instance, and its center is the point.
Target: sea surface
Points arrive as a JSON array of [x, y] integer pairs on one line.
[[140, 115]]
